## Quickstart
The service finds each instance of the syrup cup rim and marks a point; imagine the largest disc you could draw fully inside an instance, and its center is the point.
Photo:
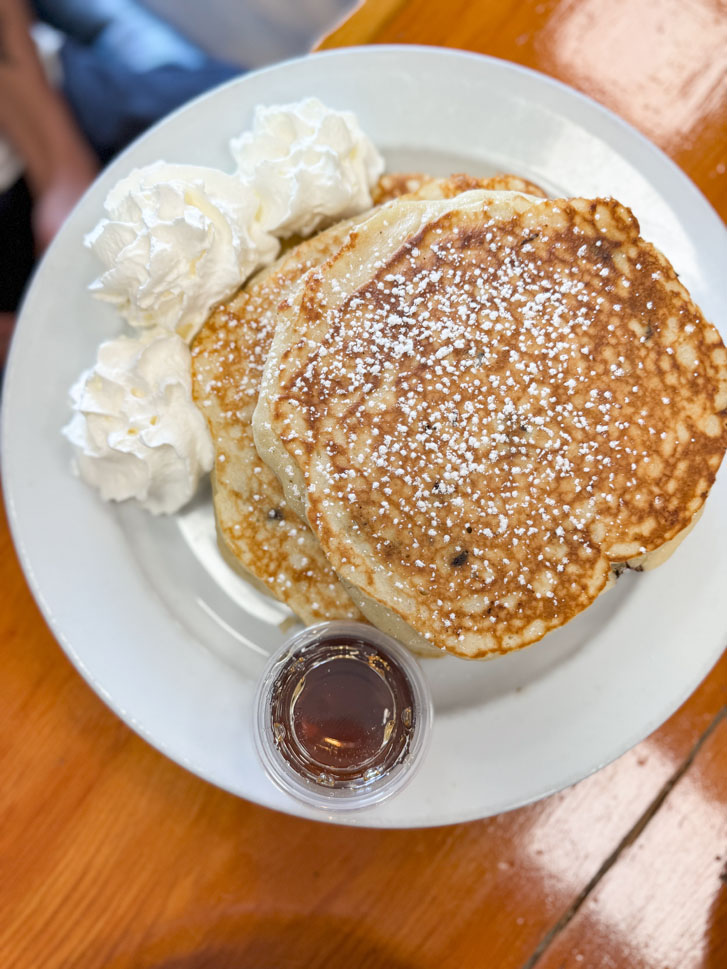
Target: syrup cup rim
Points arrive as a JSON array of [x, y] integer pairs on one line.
[[332, 800]]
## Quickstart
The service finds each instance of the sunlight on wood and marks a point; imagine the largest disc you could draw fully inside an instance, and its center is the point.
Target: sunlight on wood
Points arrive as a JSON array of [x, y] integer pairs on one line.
[[622, 54]]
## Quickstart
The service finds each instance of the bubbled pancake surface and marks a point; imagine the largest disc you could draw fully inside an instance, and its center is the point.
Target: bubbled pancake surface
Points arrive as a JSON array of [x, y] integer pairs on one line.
[[396, 184], [258, 532], [484, 406]]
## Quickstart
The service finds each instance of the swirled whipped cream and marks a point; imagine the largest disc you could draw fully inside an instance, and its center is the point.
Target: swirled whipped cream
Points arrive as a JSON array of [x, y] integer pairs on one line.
[[176, 240], [309, 165], [135, 430]]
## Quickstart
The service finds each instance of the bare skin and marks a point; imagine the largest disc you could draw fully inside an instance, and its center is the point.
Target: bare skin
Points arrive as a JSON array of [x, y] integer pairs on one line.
[[59, 164], [7, 322]]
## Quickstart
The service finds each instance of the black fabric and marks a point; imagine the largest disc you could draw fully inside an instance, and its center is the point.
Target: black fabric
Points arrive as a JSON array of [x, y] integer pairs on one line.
[[17, 251]]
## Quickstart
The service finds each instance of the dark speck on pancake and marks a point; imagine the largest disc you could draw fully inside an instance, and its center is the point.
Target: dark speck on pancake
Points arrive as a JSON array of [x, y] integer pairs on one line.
[[483, 405]]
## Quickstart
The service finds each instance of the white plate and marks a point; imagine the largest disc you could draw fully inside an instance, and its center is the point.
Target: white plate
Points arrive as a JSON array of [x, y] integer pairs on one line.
[[174, 642]]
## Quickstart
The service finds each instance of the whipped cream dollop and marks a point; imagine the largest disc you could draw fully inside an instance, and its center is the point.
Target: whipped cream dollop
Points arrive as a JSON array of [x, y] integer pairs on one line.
[[176, 240], [309, 165], [135, 430]]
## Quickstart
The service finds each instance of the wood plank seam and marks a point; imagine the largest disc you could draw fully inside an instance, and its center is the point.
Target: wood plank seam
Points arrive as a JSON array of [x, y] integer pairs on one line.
[[361, 25], [628, 839]]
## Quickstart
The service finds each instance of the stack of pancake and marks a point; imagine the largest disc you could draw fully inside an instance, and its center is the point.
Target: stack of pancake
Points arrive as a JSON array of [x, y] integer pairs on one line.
[[460, 414]]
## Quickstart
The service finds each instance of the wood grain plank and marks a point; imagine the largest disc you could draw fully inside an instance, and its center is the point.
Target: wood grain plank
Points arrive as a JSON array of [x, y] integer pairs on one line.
[[362, 25], [660, 64], [683, 853], [115, 857]]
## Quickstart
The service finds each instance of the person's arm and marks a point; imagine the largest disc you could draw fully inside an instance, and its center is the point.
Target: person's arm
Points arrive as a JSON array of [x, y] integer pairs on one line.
[[36, 120]]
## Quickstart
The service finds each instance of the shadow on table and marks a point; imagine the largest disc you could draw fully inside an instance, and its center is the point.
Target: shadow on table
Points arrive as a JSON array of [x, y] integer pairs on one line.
[[283, 942]]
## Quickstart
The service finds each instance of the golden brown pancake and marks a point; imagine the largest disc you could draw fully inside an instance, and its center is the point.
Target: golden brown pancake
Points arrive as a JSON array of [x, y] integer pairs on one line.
[[259, 535], [396, 184], [482, 404]]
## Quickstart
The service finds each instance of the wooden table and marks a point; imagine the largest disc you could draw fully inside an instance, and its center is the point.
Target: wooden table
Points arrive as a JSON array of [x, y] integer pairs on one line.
[[111, 856]]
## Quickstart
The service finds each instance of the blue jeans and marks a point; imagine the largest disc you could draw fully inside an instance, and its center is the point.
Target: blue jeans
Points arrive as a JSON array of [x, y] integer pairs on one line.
[[113, 104]]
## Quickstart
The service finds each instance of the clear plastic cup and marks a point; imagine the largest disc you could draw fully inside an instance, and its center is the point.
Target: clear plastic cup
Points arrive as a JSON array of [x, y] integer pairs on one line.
[[342, 716]]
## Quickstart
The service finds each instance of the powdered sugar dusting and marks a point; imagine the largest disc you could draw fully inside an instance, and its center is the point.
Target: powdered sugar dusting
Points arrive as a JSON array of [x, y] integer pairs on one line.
[[489, 406]]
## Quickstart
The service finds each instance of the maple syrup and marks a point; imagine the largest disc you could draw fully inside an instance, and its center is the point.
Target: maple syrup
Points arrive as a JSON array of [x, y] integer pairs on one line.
[[342, 715]]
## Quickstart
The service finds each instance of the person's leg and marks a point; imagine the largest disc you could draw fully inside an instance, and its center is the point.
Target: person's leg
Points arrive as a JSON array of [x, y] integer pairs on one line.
[[113, 105], [110, 104], [123, 30], [35, 119], [59, 164]]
